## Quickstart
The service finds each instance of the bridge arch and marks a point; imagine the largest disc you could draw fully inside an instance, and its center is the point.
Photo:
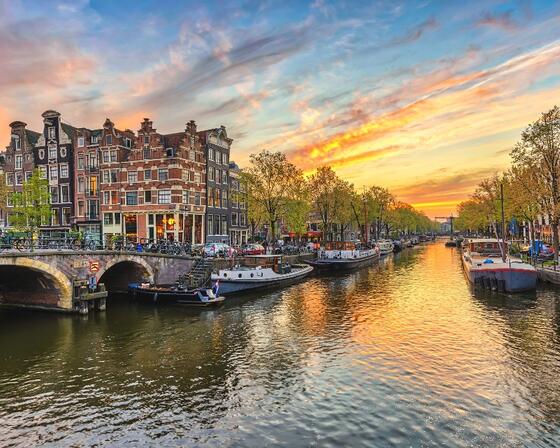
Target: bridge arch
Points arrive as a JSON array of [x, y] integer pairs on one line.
[[122, 270], [30, 282]]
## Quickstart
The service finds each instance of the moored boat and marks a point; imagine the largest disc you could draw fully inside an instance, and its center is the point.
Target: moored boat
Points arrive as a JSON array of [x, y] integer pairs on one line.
[[340, 255], [268, 271], [487, 266], [385, 247], [174, 294]]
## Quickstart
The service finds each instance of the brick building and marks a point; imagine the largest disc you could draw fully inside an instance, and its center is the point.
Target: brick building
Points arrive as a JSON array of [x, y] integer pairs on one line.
[[87, 217], [217, 151], [238, 229], [152, 185], [19, 161], [54, 156]]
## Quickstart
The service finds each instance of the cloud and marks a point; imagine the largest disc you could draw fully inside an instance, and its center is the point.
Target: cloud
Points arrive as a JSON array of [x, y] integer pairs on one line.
[[410, 36], [501, 20]]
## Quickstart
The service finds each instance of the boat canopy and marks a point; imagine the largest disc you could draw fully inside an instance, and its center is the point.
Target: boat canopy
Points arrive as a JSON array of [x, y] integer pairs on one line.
[[340, 245]]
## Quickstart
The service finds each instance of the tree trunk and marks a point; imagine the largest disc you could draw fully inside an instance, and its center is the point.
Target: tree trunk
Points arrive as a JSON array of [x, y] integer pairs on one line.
[[555, 238]]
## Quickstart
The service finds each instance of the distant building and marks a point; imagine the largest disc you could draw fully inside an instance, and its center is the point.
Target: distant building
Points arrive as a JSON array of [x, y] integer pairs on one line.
[[238, 229]]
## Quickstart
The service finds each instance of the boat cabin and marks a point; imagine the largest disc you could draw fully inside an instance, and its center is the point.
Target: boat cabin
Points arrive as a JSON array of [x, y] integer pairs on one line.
[[340, 245], [274, 262], [485, 248]]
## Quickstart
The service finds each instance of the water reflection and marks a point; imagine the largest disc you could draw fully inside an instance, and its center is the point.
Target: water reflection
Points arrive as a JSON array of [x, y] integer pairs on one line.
[[404, 352]]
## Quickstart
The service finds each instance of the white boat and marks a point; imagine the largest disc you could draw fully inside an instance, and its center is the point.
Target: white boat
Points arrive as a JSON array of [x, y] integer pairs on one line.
[[485, 266], [269, 271], [385, 247], [343, 255]]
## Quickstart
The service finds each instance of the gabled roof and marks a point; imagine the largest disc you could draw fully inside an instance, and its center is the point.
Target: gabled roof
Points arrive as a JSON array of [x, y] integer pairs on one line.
[[32, 136], [68, 129]]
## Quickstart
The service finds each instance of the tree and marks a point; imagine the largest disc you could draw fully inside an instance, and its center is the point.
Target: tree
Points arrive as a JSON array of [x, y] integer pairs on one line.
[[539, 151], [271, 183], [525, 206], [31, 205], [331, 199]]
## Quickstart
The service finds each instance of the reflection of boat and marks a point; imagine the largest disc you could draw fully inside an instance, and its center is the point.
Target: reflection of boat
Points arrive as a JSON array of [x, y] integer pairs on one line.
[[385, 247], [174, 294], [341, 255], [485, 265], [267, 271], [451, 243]]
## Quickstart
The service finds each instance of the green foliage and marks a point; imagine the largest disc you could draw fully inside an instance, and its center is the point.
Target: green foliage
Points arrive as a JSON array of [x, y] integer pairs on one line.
[[32, 205]]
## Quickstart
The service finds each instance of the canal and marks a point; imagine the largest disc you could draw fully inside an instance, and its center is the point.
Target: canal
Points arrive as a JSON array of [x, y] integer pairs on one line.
[[403, 353]]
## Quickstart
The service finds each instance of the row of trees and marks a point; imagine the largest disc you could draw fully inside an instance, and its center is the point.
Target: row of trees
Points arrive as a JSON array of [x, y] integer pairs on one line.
[[278, 192], [531, 185]]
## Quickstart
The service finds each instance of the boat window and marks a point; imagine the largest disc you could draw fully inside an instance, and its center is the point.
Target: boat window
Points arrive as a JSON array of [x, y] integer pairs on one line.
[[252, 275], [260, 274], [225, 274], [239, 275]]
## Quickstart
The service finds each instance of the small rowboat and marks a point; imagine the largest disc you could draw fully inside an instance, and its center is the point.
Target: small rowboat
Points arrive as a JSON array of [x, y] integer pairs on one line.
[[173, 294]]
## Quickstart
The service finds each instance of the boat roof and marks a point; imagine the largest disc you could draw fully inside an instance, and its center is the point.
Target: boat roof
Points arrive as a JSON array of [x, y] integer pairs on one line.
[[264, 256], [484, 240]]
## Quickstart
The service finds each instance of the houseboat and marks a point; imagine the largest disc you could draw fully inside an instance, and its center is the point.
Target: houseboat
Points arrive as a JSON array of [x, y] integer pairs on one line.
[[261, 271], [341, 255], [487, 263], [385, 247]]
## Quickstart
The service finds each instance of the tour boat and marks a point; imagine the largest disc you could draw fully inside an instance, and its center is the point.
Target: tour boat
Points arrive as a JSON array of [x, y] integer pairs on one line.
[[385, 247], [485, 265], [174, 294], [266, 271], [340, 255]]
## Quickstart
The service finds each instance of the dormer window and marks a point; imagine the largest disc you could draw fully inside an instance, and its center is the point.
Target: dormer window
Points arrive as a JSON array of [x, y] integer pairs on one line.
[[50, 132], [81, 142], [109, 140], [94, 139], [128, 143], [17, 143]]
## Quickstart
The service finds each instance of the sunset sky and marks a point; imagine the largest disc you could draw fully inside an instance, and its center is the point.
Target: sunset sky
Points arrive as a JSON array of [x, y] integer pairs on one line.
[[423, 97]]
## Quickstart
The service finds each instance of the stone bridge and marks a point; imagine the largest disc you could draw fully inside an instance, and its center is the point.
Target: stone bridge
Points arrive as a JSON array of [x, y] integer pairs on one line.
[[45, 279]]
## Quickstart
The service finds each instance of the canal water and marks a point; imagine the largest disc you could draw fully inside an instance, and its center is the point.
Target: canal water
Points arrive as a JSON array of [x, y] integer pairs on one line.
[[403, 353]]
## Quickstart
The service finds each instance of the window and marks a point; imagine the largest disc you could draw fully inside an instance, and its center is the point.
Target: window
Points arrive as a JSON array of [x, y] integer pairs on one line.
[[128, 142], [224, 177], [64, 170], [225, 159], [218, 157], [64, 193], [242, 219], [66, 215], [17, 143], [164, 197], [196, 178], [131, 198], [54, 195], [146, 153], [28, 175], [224, 225], [210, 197], [19, 162], [224, 198], [41, 154], [210, 224], [106, 197], [28, 157], [105, 176], [211, 173], [105, 156], [52, 152], [55, 218], [114, 176], [197, 199], [50, 132], [132, 177], [210, 154], [80, 208], [111, 197], [63, 151], [10, 200], [117, 218], [163, 175], [108, 219], [43, 171], [94, 139], [53, 172], [113, 156], [234, 219], [147, 174], [191, 155], [80, 161], [109, 140], [146, 139], [93, 185], [218, 176], [147, 197], [93, 209], [19, 178], [185, 196], [81, 142]]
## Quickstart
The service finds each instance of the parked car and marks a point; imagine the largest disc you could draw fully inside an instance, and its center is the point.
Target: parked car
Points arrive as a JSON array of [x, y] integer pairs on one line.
[[218, 250], [252, 249]]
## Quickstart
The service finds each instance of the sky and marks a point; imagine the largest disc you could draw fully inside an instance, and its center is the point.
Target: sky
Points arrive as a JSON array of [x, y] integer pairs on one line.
[[425, 98]]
